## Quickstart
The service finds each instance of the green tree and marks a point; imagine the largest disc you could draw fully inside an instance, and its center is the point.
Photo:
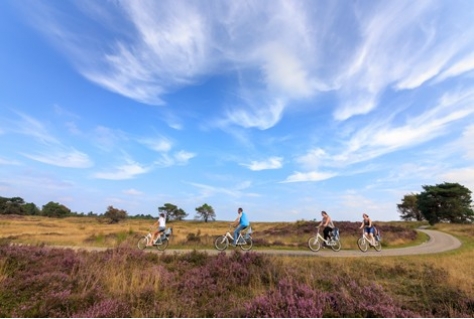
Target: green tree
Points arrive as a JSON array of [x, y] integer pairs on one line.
[[409, 209], [31, 209], [53, 209], [172, 212], [447, 202], [205, 212], [115, 215], [12, 206]]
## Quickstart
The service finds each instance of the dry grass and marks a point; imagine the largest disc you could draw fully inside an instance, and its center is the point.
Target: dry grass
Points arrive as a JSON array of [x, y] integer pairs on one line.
[[3, 268], [412, 279]]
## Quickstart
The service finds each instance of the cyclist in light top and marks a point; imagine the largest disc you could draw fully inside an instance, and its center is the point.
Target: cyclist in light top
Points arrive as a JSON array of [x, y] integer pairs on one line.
[[161, 223], [241, 222], [327, 223], [369, 228]]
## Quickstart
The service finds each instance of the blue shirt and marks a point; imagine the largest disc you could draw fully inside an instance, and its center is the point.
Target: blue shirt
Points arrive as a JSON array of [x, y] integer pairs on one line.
[[243, 220]]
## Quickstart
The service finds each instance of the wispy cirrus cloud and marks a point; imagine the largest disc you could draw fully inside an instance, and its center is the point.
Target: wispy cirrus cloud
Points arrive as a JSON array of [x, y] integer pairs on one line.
[[270, 163], [46, 147], [157, 144], [63, 158], [313, 176], [167, 45], [128, 170], [176, 158], [383, 137], [29, 126]]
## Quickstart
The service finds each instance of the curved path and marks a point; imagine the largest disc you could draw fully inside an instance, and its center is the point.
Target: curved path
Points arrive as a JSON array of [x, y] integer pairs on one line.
[[438, 242]]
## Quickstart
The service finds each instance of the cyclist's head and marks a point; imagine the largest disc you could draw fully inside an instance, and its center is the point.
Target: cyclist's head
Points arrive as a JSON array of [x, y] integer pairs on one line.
[[162, 215], [240, 210], [324, 213], [365, 215]]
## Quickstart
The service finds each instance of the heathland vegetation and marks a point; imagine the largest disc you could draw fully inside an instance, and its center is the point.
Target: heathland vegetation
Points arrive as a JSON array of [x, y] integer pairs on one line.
[[38, 279]]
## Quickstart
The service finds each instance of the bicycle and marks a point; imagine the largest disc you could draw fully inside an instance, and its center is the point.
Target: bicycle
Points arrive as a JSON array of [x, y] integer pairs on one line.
[[160, 243], [364, 242], [245, 242], [314, 243]]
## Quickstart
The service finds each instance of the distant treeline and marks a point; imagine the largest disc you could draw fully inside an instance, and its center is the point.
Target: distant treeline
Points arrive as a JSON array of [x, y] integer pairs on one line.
[[18, 206]]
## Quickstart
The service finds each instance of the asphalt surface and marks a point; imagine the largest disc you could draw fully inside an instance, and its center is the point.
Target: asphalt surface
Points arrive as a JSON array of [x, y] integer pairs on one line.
[[438, 242]]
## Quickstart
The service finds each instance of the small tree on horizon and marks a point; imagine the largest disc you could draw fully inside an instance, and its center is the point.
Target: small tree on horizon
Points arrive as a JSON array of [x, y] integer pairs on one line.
[[409, 209], [53, 209], [115, 215], [205, 212], [172, 212]]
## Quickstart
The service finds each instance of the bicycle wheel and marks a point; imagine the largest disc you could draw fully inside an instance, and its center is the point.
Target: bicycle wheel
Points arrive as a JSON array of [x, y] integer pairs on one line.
[[336, 245], [142, 243], [247, 245], [363, 244], [314, 244], [221, 243], [161, 246], [378, 245]]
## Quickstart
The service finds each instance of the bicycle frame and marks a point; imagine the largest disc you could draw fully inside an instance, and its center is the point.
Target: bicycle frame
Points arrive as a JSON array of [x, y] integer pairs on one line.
[[222, 242], [314, 243], [364, 241], [160, 243]]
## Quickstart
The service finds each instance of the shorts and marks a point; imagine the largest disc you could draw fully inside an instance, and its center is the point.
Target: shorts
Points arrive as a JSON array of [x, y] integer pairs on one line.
[[370, 230]]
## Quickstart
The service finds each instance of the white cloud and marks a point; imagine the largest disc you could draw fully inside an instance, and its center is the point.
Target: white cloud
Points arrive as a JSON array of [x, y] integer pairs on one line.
[[260, 116], [309, 177], [270, 163], [182, 157], [158, 144], [126, 171], [285, 73], [63, 158], [178, 158], [462, 66], [31, 127]]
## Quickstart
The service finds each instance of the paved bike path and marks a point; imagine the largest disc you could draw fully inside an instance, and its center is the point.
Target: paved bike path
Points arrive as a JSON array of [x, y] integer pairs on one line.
[[438, 242]]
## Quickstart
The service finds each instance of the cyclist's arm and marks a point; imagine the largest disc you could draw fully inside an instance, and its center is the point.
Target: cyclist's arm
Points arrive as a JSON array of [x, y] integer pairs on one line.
[[326, 222], [237, 220]]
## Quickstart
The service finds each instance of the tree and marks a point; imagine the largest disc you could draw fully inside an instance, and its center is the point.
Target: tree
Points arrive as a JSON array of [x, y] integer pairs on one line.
[[447, 202], [31, 209], [115, 215], [409, 209], [10, 206], [53, 209], [172, 212], [205, 212]]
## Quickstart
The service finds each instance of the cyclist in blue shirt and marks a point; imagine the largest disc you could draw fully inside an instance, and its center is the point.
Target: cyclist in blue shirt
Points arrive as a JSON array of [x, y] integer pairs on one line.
[[241, 222]]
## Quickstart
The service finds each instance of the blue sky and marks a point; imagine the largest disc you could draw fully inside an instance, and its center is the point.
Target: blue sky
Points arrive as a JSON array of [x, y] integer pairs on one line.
[[284, 108]]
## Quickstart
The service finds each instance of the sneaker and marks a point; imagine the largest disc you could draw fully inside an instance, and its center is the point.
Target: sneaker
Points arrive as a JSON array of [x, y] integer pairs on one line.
[[233, 245]]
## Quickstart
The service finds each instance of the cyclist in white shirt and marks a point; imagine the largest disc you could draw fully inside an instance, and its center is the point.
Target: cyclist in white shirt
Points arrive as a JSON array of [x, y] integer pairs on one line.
[[161, 224]]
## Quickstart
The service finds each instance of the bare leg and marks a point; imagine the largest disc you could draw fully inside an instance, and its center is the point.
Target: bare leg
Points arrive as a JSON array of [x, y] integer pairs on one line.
[[372, 240]]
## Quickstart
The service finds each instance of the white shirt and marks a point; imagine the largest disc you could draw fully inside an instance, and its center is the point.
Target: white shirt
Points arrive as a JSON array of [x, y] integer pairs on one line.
[[162, 222]]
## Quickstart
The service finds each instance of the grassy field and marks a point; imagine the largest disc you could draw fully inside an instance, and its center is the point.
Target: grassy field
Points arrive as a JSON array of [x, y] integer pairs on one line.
[[94, 232], [125, 282]]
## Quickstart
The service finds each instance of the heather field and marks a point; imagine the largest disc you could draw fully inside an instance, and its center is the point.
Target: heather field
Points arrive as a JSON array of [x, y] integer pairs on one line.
[[39, 281]]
